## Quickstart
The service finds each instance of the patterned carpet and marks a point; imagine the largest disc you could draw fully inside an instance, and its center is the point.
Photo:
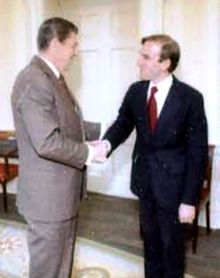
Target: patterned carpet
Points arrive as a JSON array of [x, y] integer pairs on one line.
[[13, 250], [92, 260]]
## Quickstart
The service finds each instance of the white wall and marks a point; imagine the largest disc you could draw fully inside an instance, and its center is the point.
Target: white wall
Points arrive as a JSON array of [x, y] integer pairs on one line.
[[19, 22], [198, 37], [13, 52]]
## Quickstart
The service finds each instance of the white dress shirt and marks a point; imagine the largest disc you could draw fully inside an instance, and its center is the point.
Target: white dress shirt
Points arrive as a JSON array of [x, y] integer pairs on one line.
[[51, 66], [163, 88]]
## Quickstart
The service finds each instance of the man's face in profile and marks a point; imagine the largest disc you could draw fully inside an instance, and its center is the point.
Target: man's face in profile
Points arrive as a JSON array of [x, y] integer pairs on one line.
[[66, 50]]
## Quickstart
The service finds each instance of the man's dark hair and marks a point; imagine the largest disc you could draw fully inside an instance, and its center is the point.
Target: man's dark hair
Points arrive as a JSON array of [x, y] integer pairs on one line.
[[169, 49], [54, 27]]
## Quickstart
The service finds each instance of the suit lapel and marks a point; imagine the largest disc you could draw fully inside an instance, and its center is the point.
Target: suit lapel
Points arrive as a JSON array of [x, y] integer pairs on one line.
[[141, 104], [170, 107], [63, 93], [169, 110]]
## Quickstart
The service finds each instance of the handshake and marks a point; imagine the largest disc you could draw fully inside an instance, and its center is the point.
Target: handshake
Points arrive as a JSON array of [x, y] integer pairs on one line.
[[99, 150]]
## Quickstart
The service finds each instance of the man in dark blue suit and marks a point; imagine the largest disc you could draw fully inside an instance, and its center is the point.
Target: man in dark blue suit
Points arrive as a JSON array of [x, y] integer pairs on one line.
[[169, 156]]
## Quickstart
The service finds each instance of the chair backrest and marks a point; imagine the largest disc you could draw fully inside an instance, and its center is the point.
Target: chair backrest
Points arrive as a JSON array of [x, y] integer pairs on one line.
[[7, 134], [92, 130], [208, 176], [206, 189]]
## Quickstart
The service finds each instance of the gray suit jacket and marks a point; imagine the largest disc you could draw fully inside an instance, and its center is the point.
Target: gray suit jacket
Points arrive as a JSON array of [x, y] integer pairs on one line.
[[51, 142]]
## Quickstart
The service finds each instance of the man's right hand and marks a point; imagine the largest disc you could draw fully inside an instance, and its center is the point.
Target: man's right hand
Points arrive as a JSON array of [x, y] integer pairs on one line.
[[101, 149]]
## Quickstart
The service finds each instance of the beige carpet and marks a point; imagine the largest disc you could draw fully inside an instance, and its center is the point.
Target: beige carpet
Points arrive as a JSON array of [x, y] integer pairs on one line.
[[92, 259]]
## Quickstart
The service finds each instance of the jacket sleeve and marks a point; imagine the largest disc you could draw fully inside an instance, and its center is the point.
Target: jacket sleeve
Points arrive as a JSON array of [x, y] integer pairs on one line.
[[36, 108], [196, 151], [122, 127]]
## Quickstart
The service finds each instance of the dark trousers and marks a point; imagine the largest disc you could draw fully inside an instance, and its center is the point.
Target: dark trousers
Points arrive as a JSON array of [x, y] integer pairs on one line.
[[51, 247], [163, 241]]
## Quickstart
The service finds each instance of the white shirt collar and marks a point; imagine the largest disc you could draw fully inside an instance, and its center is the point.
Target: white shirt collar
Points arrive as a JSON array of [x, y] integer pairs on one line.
[[163, 90], [163, 85], [51, 66]]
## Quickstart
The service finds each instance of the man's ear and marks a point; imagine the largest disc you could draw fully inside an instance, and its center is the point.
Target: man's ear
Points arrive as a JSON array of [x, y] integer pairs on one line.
[[54, 44], [165, 64]]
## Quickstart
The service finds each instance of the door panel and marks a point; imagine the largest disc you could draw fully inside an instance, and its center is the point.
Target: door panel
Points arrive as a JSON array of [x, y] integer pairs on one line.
[[101, 74]]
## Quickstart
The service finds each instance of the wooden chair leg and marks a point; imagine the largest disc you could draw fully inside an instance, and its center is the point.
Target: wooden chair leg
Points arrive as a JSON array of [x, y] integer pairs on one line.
[[195, 234], [141, 232], [5, 197], [208, 229]]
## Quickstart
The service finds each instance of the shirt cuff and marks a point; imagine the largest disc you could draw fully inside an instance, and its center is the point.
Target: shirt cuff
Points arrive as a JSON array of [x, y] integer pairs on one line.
[[91, 155], [108, 145]]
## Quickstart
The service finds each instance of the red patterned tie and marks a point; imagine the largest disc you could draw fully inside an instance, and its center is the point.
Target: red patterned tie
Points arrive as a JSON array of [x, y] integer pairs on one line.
[[152, 109]]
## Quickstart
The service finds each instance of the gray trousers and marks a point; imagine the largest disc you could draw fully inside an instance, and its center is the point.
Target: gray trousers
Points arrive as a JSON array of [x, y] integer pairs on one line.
[[51, 248]]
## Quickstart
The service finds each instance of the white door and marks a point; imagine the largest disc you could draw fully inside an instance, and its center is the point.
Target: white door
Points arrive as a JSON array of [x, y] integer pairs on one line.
[[102, 73]]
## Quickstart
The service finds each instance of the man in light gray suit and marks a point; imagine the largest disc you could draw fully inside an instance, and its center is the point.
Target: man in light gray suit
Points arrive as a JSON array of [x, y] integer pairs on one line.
[[53, 153]]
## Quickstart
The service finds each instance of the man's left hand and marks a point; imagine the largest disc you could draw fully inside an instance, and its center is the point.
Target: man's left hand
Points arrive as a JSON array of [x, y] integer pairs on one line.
[[186, 213]]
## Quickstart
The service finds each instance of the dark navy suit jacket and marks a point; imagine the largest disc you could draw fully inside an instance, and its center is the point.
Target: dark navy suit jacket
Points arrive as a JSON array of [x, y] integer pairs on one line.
[[171, 161]]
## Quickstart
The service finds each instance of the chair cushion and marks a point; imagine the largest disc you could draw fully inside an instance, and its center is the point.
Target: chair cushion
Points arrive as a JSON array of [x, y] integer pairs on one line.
[[12, 169]]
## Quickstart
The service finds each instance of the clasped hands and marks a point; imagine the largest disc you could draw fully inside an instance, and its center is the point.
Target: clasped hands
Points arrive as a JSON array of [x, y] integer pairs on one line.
[[101, 149]]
